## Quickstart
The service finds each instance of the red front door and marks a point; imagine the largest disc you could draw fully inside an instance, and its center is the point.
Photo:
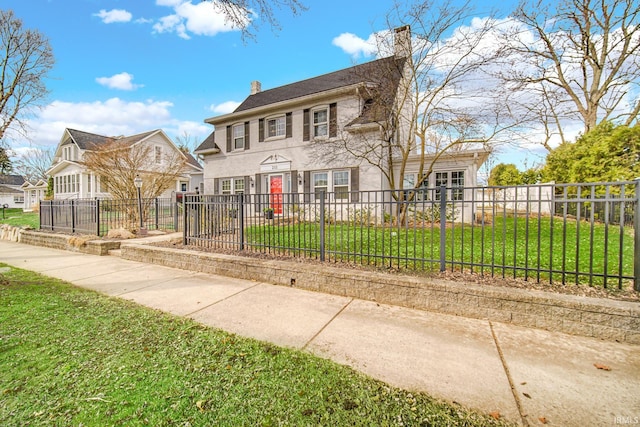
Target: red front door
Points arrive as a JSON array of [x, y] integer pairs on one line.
[[275, 189]]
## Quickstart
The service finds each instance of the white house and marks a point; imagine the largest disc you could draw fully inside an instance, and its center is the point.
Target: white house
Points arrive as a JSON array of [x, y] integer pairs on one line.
[[11, 194], [267, 144], [33, 193], [71, 179]]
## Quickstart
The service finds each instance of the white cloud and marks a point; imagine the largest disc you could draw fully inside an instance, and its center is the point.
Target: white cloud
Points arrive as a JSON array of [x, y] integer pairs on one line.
[[122, 81], [114, 15], [355, 46], [202, 19], [225, 107]]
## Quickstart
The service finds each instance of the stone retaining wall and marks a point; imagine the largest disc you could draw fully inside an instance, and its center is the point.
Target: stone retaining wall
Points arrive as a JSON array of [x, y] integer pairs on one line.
[[85, 244], [592, 317]]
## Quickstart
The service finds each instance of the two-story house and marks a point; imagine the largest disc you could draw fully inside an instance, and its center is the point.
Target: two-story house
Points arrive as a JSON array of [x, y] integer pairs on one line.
[[72, 179], [268, 144]]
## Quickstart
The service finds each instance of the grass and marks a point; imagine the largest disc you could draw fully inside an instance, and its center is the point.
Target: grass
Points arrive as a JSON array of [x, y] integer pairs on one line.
[[70, 356], [586, 252], [18, 218]]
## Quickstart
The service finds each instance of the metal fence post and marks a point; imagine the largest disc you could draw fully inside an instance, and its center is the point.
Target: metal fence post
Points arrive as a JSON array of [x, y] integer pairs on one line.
[[636, 239], [157, 219], [184, 219], [443, 226], [97, 216], [322, 194], [51, 212], [73, 217], [241, 219]]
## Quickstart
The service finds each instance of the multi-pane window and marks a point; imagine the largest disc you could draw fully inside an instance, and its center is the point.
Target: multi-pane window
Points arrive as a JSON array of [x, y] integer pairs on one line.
[[276, 127], [454, 181], [232, 186], [158, 154], [226, 186], [18, 199], [457, 184], [341, 185], [238, 186], [320, 122], [238, 137], [320, 182], [336, 182]]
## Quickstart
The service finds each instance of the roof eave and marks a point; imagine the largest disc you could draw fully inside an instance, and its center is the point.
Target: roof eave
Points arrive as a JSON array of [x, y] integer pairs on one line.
[[281, 105]]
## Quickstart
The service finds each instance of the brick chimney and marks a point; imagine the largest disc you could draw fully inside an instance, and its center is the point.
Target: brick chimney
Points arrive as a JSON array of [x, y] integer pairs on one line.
[[402, 42], [255, 87]]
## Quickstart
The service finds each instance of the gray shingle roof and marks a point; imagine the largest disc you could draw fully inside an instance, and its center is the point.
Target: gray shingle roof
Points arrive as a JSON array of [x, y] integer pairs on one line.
[[208, 143], [8, 190], [346, 77], [11, 180], [87, 141]]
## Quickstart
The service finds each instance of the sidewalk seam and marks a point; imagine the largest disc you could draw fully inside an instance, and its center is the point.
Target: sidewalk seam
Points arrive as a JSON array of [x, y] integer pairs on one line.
[[525, 422], [327, 324], [223, 299]]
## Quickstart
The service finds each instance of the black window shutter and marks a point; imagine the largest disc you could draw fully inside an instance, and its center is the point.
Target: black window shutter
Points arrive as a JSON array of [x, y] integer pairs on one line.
[[247, 184], [261, 130], [246, 135], [305, 125], [307, 186], [258, 179], [333, 120], [228, 139], [355, 184], [216, 186], [294, 181], [289, 130]]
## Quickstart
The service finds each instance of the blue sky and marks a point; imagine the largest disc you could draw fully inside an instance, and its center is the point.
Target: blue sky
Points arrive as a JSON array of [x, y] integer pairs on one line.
[[130, 66]]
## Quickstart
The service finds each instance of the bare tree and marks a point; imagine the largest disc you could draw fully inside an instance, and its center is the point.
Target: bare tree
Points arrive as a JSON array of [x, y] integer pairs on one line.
[[118, 163], [574, 61], [430, 101], [33, 163], [25, 60], [239, 12]]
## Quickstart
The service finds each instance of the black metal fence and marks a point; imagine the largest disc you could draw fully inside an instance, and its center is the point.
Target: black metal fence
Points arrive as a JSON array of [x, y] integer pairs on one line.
[[98, 216], [571, 233]]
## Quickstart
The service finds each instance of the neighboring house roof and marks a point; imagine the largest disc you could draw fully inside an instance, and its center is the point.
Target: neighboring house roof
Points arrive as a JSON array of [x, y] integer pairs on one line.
[[362, 73], [8, 190], [192, 160], [208, 145], [16, 180], [85, 140]]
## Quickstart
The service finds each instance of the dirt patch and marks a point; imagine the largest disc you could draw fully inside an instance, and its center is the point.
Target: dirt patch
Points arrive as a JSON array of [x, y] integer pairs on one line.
[[625, 294]]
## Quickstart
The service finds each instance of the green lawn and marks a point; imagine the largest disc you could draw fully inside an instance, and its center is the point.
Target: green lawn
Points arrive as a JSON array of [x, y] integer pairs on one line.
[[580, 248], [18, 218], [69, 356]]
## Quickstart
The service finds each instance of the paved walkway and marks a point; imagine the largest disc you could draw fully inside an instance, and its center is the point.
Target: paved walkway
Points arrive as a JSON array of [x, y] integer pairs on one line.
[[524, 374]]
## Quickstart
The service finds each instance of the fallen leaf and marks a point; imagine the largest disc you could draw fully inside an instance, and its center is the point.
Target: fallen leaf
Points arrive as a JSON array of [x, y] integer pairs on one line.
[[526, 395], [601, 366], [200, 405], [543, 420], [495, 415]]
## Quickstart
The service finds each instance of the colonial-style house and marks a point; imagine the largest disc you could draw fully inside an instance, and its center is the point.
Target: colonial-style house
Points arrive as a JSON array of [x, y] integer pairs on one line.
[[72, 179], [269, 143], [11, 194]]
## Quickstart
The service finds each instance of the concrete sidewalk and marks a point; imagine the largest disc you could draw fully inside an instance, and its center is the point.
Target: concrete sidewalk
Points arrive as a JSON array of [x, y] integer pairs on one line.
[[524, 374]]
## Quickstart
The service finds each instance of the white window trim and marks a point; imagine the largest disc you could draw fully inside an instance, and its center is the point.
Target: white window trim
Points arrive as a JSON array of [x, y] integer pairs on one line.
[[268, 137], [156, 160], [234, 138], [331, 185], [313, 125], [232, 185]]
